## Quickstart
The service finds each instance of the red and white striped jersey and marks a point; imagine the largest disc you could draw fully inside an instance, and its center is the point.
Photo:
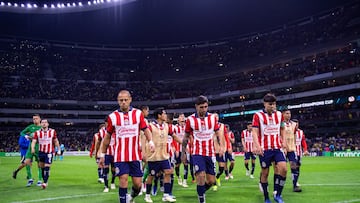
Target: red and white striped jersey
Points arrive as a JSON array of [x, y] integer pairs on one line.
[[45, 138], [126, 126], [269, 129], [93, 143], [231, 136], [248, 140], [227, 139], [111, 148], [180, 133], [171, 145], [300, 142], [202, 130]]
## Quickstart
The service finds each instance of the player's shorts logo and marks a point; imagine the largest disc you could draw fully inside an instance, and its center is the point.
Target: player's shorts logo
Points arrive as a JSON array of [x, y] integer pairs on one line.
[[263, 164], [196, 168], [152, 172], [117, 170]]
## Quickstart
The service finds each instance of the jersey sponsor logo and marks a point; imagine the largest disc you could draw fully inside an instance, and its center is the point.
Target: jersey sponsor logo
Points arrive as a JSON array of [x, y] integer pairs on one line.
[[203, 135], [126, 131], [270, 130]]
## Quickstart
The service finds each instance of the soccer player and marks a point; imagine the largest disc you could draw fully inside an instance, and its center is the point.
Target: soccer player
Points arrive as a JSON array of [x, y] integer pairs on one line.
[[219, 158], [97, 159], [126, 122], [269, 144], [202, 125], [247, 142], [159, 159], [109, 158], [180, 132], [301, 148], [290, 129], [46, 139], [23, 145], [229, 155], [28, 132]]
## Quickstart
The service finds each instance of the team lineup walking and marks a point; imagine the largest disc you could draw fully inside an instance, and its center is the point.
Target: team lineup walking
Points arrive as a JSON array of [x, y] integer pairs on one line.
[[127, 144]]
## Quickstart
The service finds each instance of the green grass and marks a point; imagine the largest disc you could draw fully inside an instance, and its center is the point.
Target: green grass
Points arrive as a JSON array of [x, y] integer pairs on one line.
[[323, 179]]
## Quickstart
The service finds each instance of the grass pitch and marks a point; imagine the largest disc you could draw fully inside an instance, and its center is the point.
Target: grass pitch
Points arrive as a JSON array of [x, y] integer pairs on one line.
[[323, 179]]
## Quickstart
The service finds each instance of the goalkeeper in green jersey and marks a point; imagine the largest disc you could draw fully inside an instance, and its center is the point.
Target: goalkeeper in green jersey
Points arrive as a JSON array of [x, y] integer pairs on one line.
[[28, 133]]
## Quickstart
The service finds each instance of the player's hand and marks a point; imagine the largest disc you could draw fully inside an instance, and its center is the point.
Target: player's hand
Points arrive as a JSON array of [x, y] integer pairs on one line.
[[306, 153], [27, 137], [152, 146], [91, 154], [258, 150], [177, 154]]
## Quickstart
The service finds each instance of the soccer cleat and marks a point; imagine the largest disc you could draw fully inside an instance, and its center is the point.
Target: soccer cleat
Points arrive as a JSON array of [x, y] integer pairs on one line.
[[247, 173], [148, 199], [106, 189], [267, 201], [215, 188], [154, 191], [29, 183], [231, 176], [168, 198], [252, 176], [44, 185], [129, 199], [184, 184], [218, 182], [278, 199], [226, 177], [14, 174], [101, 180], [179, 180], [39, 183], [297, 189], [112, 186]]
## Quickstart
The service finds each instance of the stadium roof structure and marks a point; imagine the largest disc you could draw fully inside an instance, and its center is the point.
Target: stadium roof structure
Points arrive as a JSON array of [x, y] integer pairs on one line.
[[149, 22]]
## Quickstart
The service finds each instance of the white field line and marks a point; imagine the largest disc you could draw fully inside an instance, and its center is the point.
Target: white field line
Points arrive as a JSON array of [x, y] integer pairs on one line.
[[62, 197], [349, 201]]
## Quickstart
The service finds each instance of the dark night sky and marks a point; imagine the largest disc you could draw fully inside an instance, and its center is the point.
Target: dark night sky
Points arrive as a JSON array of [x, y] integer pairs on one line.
[[163, 21]]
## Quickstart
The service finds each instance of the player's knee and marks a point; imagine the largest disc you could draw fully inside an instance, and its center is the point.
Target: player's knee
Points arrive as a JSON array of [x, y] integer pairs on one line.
[[293, 165]]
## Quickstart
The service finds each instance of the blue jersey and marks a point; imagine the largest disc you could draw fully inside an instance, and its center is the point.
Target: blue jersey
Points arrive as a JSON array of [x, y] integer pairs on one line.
[[62, 147]]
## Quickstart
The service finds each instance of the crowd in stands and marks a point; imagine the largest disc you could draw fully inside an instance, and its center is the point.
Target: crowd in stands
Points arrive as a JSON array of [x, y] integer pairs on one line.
[[42, 70], [34, 69]]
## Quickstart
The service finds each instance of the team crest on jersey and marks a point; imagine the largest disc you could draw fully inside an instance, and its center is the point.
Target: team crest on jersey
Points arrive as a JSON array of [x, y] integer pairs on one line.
[[152, 172], [126, 122], [263, 164], [203, 127], [117, 170]]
